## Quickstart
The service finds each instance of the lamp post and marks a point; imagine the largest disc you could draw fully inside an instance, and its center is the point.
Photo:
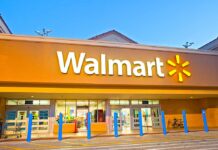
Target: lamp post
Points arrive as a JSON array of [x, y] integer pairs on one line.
[[44, 32]]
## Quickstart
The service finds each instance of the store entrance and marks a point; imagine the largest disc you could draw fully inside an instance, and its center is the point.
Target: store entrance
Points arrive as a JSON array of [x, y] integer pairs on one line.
[[123, 118], [150, 117], [17, 120], [82, 118]]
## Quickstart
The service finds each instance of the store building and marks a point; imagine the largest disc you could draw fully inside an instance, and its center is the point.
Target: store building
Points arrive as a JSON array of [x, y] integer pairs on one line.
[[3, 26], [211, 46], [46, 76]]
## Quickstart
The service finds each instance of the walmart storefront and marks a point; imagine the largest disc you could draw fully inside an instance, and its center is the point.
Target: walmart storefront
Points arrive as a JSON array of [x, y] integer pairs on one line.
[[46, 76]]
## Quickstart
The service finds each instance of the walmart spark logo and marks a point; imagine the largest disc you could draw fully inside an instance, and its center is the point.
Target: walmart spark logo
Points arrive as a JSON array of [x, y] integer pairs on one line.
[[179, 68]]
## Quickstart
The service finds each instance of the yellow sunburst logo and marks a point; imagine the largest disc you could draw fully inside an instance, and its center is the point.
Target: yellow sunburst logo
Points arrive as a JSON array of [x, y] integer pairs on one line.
[[179, 68]]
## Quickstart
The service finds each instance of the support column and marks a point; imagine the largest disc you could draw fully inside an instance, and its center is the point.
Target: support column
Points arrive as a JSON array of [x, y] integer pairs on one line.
[[108, 115], [2, 113], [52, 119], [2, 110]]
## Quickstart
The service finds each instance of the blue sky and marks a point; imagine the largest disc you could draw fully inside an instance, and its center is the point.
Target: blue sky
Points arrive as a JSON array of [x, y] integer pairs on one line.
[[150, 22]]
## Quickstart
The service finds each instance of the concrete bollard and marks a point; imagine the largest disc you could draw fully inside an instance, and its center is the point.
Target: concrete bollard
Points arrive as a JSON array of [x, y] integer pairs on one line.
[[140, 124], [89, 125], [163, 123], [29, 132], [60, 127], [185, 121], [205, 121], [115, 125]]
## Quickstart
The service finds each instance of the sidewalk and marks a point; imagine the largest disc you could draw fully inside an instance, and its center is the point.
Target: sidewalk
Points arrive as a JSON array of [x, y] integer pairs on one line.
[[151, 141], [147, 132]]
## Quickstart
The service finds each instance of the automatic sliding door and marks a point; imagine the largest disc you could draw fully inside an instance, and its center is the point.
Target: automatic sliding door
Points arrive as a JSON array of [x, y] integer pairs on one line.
[[40, 122], [155, 115], [118, 111], [125, 118], [135, 118]]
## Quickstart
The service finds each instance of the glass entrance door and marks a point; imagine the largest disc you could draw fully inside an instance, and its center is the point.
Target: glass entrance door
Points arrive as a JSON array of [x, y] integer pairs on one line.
[[135, 118], [40, 122], [146, 117], [150, 117], [125, 119], [15, 122], [118, 118], [82, 118], [155, 116], [21, 121]]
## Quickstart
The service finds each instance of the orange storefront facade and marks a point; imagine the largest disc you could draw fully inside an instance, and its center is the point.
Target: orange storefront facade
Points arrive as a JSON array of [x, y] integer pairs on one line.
[[46, 76]]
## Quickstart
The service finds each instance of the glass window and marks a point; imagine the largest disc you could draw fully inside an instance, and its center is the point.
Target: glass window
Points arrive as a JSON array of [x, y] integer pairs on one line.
[[70, 110], [150, 102], [35, 114], [155, 101], [93, 109], [28, 102], [11, 115], [21, 102], [114, 102], [44, 102], [134, 102], [11, 102], [35, 102], [82, 102], [60, 108], [101, 111], [43, 114], [124, 102], [144, 102]]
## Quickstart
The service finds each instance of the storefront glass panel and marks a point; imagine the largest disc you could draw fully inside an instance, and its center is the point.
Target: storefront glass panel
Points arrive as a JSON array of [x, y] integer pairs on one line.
[[125, 117], [70, 110], [124, 102], [73, 110], [93, 109], [60, 108]]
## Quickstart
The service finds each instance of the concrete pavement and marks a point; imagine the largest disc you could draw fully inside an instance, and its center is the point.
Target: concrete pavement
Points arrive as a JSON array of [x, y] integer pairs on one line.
[[192, 140]]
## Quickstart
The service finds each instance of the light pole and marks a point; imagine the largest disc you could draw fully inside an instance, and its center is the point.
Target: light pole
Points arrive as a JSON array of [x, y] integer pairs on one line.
[[188, 44], [44, 32]]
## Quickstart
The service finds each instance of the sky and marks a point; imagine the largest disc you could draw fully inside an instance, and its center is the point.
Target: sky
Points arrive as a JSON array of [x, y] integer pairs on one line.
[[149, 22]]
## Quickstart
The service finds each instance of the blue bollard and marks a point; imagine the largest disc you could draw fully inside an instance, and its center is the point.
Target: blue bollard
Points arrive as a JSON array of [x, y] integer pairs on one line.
[[163, 123], [60, 127], [89, 125], [29, 132], [140, 124], [185, 121], [205, 121], [115, 125]]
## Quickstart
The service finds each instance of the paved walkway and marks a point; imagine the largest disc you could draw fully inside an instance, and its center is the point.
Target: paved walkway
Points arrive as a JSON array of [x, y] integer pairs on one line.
[[192, 140]]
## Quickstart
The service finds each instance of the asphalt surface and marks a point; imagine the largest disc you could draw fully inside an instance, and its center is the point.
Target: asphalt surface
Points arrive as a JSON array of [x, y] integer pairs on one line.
[[192, 140]]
